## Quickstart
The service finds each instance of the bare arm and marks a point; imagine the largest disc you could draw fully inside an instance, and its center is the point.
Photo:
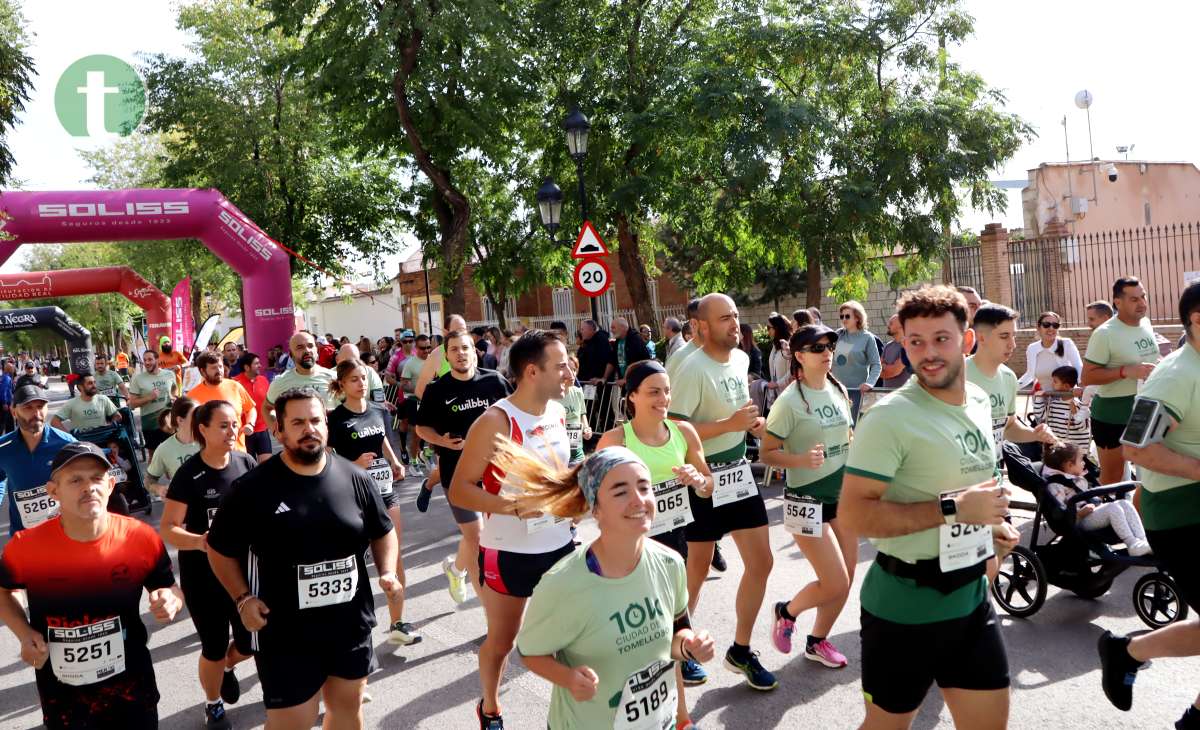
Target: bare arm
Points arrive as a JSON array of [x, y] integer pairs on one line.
[[1093, 374], [385, 550], [430, 435], [867, 514], [892, 370], [772, 454], [57, 423], [428, 371], [229, 573], [611, 437], [477, 454], [1159, 458], [172, 530], [34, 650], [695, 457]]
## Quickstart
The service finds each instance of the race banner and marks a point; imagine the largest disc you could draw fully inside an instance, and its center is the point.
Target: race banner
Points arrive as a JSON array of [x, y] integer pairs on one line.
[[183, 329]]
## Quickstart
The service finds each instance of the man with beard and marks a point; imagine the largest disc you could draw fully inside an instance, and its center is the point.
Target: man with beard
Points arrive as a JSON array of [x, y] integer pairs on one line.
[[921, 483], [25, 455], [109, 382], [216, 386], [258, 444], [305, 373], [152, 390], [87, 410], [305, 519], [171, 360]]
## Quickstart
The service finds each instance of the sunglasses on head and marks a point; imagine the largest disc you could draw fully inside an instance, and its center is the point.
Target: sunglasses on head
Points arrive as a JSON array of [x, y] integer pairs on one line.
[[819, 348], [1051, 325]]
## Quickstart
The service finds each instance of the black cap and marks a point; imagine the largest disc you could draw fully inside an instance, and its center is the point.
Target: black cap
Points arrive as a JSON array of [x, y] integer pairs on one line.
[[28, 393], [75, 450], [810, 333]]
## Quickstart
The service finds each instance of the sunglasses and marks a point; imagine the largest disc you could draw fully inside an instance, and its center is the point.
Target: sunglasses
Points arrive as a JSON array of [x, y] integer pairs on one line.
[[819, 348], [1049, 325], [424, 348], [847, 316]]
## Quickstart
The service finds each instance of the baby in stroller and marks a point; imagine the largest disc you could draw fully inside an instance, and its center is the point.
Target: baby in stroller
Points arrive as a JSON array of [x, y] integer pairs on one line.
[[1064, 471]]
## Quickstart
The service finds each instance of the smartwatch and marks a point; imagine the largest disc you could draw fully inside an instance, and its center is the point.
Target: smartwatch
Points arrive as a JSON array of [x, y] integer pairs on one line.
[[949, 510]]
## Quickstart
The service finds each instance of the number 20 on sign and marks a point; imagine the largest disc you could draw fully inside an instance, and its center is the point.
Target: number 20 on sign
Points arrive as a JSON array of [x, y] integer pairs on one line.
[[592, 277]]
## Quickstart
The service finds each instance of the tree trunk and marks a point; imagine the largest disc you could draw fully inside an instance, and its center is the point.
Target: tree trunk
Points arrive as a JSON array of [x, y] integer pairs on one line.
[[812, 267], [629, 256]]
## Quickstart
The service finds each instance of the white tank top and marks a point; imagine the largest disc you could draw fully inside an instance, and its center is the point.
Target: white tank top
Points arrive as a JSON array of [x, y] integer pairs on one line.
[[545, 437]]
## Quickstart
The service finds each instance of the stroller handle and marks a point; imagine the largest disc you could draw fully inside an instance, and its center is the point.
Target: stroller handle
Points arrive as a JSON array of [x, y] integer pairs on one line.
[[1116, 489]]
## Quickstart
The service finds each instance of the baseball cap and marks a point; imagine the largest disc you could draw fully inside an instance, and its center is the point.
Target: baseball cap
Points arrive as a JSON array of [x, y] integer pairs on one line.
[[407, 335], [164, 340], [28, 393], [76, 450], [810, 333]]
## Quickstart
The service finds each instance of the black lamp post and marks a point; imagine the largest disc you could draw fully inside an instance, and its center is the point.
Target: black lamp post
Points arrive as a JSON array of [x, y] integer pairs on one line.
[[549, 196]]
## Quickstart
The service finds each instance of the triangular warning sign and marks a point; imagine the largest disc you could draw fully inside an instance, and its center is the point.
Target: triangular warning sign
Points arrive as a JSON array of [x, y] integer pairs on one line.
[[589, 243]]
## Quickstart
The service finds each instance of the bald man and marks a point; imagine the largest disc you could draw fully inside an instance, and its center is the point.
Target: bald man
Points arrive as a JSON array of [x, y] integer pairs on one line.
[[436, 364], [306, 371], [374, 382]]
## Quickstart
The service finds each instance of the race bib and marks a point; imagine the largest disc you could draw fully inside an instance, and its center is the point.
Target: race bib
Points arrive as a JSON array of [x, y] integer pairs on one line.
[[537, 524], [328, 583], [674, 507], [648, 699], [998, 435], [734, 482], [35, 506], [118, 474], [802, 515], [87, 654], [575, 437], [377, 396], [589, 392], [961, 545], [381, 471]]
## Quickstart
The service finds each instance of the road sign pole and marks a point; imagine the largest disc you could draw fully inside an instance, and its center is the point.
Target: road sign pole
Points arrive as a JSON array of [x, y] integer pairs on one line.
[[584, 216]]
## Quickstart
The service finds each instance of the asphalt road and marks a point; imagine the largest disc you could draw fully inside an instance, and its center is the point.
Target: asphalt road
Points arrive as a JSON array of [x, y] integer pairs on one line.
[[434, 684]]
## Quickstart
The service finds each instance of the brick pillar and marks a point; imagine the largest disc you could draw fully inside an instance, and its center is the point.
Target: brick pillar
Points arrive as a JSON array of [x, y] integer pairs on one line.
[[993, 258], [1053, 244]]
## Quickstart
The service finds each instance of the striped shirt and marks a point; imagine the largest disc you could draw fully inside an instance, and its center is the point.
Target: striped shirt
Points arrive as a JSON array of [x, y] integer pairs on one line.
[[1056, 413]]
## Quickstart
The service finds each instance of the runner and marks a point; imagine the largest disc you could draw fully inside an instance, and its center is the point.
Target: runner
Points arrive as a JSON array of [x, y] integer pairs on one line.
[[192, 500], [374, 382], [87, 643], [609, 658], [409, 372], [309, 600], [452, 403], [151, 391], [215, 386], [123, 364], [1120, 353], [579, 431], [25, 455], [436, 364], [673, 454], [171, 360], [178, 448], [921, 483], [87, 410], [251, 377], [110, 383], [677, 357], [304, 373], [1170, 471], [712, 394], [808, 434], [361, 432], [516, 547]]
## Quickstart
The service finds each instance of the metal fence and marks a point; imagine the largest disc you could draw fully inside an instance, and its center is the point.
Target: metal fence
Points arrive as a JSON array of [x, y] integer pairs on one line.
[[966, 269]]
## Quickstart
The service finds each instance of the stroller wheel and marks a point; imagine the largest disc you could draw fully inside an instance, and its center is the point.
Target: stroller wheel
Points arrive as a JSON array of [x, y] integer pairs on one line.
[[1020, 585], [1157, 601]]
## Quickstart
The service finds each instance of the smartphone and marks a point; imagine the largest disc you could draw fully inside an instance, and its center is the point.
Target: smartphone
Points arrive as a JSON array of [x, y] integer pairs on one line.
[[1144, 427]]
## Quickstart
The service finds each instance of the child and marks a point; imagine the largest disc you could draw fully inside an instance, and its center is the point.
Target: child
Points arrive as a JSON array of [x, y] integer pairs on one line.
[[1062, 467], [118, 461], [1065, 414]]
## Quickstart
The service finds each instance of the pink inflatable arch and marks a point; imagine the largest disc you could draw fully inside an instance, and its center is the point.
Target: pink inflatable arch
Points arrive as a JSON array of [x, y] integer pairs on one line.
[[132, 215]]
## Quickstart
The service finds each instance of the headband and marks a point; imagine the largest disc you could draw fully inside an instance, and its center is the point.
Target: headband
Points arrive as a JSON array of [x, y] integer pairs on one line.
[[639, 372], [597, 466]]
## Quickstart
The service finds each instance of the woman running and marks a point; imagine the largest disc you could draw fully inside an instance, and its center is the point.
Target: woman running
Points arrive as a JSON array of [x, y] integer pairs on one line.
[[359, 431], [192, 500], [176, 449], [675, 458], [606, 623], [808, 434]]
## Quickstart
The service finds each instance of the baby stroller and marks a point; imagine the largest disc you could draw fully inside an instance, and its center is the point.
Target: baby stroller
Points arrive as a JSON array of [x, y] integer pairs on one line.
[[130, 491], [1085, 562]]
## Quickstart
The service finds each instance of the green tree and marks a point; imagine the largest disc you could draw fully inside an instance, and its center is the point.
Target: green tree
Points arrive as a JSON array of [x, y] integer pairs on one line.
[[16, 78]]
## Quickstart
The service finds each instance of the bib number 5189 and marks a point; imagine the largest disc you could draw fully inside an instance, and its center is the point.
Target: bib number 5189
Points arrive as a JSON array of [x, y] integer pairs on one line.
[[647, 704]]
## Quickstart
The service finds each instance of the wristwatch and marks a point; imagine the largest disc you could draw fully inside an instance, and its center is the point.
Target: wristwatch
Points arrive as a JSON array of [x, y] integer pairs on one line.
[[949, 510]]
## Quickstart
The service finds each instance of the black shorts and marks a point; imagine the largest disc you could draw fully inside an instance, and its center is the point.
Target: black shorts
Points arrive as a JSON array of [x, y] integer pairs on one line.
[[408, 409], [713, 523], [1175, 550], [517, 574], [129, 700], [214, 614], [901, 661], [391, 499], [461, 516], [1107, 435], [675, 539], [829, 511], [291, 676], [259, 443], [154, 437]]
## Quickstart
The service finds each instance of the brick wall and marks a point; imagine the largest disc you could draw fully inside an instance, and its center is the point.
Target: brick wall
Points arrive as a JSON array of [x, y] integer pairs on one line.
[[1078, 335]]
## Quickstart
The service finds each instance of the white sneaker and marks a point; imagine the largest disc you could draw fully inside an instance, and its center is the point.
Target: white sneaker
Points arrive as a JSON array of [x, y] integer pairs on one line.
[[1139, 548], [458, 581]]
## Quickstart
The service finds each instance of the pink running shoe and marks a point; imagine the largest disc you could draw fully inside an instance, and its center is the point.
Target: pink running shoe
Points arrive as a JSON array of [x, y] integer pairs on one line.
[[781, 635], [826, 654]]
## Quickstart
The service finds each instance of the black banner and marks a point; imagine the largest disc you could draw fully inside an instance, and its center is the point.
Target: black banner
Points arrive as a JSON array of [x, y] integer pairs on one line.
[[79, 340]]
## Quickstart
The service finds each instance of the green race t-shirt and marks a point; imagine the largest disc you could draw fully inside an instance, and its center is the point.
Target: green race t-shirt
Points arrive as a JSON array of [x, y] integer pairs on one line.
[[169, 456], [144, 383], [1002, 392], [819, 417], [87, 414], [319, 380], [616, 626], [675, 361], [109, 384], [411, 368], [707, 391], [1170, 501], [1112, 345], [921, 446], [572, 402]]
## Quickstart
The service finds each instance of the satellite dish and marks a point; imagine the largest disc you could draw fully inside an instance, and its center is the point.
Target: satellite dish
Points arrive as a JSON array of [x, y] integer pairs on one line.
[[1083, 99]]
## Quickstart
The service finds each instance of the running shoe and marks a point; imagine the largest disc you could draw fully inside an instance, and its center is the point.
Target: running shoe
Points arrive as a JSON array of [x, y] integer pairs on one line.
[[417, 469], [231, 689], [756, 675], [825, 653], [403, 634], [718, 560], [488, 722], [214, 717], [1118, 670], [781, 635], [693, 673], [424, 496], [458, 581]]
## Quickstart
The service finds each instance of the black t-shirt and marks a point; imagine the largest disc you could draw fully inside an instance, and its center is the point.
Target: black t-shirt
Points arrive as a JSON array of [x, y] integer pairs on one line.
[[201, 488], [450, 406], [306, 537], [353, 434]]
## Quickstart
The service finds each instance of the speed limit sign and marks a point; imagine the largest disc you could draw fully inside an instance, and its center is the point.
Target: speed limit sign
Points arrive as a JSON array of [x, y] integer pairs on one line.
[[592, 277]]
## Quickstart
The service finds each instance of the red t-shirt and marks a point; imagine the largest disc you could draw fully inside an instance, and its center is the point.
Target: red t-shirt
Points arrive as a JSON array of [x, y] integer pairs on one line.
[[258, 391]]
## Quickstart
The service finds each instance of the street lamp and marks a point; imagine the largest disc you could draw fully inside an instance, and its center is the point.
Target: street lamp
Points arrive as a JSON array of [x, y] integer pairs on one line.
[[549, 201]]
